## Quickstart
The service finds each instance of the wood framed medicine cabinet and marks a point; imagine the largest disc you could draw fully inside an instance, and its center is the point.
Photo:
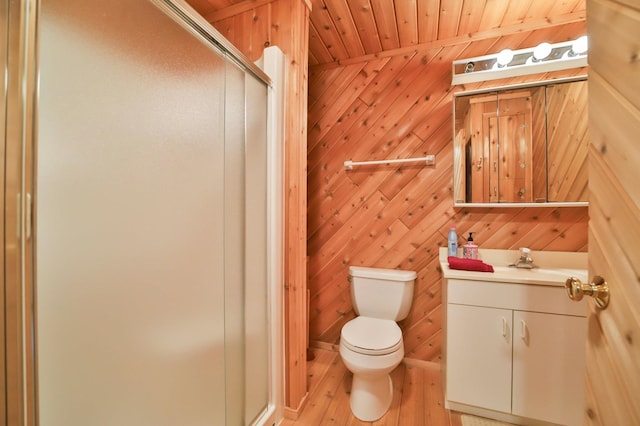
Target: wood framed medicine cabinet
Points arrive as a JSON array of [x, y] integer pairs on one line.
[[523, 145]]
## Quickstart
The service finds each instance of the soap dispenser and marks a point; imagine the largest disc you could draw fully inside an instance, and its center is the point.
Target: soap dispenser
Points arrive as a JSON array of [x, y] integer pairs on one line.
[[470, 249]]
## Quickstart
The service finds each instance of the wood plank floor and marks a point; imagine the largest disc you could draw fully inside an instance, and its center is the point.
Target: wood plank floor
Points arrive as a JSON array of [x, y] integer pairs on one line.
[[418, 398]]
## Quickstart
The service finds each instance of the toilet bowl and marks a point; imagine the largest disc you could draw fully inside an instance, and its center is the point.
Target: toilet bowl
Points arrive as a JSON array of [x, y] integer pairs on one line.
[[371, 344], [371, 348]]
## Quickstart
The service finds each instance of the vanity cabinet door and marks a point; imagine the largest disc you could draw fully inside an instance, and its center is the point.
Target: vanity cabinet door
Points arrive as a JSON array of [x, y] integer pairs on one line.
[[548, 366], [479, 356]]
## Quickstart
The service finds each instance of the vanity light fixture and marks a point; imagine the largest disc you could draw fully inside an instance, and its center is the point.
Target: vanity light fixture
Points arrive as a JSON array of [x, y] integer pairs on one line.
[[504, 58], [541, 51], [578, 47], [545, 57]]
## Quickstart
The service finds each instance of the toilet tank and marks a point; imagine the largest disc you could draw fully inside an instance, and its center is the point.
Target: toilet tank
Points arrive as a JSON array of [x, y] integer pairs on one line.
[[381, 293]]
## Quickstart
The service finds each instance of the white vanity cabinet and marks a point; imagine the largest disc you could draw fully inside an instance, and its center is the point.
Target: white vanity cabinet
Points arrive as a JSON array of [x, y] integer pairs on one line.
[[479, 356], [513, 351]]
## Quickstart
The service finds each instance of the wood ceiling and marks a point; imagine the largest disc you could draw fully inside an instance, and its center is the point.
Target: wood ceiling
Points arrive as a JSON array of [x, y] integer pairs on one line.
[[347, 31]]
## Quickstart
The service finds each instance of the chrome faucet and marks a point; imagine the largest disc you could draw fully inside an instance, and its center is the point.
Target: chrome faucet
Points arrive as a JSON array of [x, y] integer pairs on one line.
[[525, 261]]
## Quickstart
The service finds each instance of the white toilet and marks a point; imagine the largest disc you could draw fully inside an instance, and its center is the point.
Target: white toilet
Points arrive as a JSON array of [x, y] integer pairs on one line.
[[371, 344]]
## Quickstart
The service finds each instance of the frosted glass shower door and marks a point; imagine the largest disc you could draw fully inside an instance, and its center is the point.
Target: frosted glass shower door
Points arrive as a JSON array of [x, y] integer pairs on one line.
[[130, 219], [246, 292], [256, 254]]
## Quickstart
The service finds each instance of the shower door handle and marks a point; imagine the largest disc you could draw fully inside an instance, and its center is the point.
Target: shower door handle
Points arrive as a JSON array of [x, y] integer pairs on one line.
[[28, 215]]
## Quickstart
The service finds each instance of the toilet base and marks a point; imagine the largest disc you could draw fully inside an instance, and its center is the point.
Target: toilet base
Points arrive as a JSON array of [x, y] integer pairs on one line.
[[371, 396]]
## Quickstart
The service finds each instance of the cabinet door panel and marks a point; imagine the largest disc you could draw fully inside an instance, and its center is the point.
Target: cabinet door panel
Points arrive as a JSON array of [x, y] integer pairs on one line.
[[479, 356], [548, 366]]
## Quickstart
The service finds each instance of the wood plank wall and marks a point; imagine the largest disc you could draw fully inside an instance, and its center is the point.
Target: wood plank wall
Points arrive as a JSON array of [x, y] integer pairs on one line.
[[398, 217], [251, 27], [613, 349]]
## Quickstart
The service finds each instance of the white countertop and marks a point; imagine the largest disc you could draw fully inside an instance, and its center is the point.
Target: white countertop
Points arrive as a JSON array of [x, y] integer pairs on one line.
[[553, 267]]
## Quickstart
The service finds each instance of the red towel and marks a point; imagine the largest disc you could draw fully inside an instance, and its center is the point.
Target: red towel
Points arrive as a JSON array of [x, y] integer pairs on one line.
[[469, 264]]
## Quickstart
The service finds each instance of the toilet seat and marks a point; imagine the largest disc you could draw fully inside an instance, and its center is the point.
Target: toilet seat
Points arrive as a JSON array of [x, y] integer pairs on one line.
[[371, 336]]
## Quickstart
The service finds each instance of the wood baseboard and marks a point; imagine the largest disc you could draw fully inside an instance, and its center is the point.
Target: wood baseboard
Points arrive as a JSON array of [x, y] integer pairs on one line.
[[294, 413], [412, 362], [324, 345]]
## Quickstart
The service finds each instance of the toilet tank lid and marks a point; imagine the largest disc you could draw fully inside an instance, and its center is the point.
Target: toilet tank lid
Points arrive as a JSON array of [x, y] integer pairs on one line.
[[385, 274]]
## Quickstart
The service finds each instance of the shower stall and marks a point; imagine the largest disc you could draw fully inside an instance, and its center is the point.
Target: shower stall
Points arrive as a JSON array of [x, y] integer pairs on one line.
[[148, 217]]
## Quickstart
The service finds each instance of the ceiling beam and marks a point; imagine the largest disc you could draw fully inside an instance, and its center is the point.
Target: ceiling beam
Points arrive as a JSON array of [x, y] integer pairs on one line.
[[532, 25], [235, 9], [240, 8]]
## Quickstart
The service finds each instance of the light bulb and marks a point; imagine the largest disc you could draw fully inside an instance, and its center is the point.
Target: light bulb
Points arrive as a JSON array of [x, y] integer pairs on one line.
[[504, 57], [541, 51], [580, 45]]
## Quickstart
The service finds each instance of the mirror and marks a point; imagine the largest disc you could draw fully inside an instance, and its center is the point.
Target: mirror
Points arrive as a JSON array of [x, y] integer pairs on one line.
[[522, 145]]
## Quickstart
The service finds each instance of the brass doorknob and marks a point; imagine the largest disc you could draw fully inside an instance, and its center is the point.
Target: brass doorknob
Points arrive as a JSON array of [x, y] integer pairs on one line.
[[598, 289]]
